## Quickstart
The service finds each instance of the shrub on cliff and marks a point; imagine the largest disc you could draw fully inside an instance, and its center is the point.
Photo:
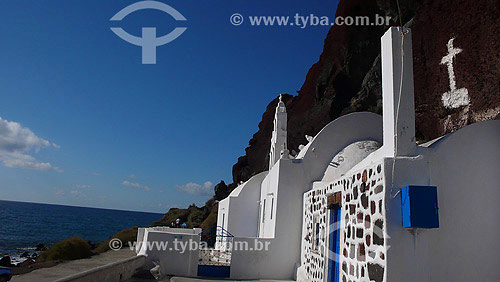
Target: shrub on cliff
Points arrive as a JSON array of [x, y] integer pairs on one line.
[[171, 216], [211, 220], [126, 235], [68, 249], [193, 216]]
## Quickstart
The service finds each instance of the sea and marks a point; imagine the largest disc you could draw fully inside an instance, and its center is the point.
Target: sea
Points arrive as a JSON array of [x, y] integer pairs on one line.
[[25, 225]]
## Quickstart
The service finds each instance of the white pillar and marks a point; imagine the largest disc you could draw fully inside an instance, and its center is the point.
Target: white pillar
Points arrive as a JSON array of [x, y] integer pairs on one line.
[[397, 92]]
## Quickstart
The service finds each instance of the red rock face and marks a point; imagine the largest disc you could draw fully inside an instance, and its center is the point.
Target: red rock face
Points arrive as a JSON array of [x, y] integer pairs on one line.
[[347, 76], [474, 25]]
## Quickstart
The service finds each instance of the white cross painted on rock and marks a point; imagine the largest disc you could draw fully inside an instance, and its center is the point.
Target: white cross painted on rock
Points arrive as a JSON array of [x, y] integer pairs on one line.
[[455, 97]]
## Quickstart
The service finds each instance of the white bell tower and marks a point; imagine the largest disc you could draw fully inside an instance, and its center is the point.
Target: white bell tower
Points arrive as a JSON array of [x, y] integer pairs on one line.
[[278, 138]]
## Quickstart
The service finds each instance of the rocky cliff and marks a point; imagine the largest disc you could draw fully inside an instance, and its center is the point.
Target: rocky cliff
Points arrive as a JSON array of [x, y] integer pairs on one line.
[[347, 77]]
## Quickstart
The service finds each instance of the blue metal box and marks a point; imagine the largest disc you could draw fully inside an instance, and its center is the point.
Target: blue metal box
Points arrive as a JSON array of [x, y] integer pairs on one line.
[[419, 205]]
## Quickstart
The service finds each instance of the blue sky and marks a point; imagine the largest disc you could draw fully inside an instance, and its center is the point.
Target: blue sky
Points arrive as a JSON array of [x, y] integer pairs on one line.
[[83, 122]]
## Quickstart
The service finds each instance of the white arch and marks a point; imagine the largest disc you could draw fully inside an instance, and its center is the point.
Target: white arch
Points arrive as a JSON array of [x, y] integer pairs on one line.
[[337, 135]]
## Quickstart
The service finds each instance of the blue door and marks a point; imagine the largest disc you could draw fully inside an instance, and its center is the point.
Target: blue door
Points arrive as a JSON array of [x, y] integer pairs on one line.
[[334, 245]]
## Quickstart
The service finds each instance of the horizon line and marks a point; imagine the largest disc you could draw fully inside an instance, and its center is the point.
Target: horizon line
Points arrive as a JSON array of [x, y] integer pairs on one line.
[[65, 205]]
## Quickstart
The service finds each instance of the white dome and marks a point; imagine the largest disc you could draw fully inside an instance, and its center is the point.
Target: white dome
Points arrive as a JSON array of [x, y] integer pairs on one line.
[[346, 159]]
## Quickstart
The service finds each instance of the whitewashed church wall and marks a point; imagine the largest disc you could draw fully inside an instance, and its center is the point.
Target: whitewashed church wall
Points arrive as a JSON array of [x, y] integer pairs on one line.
[[464, 166], [346, 159], [269, 190], [336, 136], [222, 216], [275, 261], [362, 232], [241, 208]]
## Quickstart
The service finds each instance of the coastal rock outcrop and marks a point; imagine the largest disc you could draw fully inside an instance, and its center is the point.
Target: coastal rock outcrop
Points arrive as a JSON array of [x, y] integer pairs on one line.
[[40, 248], [6, 262], [26, 263], [221, 190], [193, 216]]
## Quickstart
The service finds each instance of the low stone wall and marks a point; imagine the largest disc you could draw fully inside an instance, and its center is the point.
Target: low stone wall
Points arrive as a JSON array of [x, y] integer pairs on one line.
[[117, 271]]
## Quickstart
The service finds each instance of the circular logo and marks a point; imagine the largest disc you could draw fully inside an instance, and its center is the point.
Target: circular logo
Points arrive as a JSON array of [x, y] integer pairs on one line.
[[236, 19], [115, 244]]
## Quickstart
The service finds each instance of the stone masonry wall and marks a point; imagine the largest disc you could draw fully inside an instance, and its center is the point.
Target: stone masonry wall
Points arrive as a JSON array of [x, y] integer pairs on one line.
[[362, 228]]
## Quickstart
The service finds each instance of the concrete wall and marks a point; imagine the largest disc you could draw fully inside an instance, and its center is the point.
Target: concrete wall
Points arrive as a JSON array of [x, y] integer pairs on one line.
[[465, 166], [282, 191], [117, 271], [223, 213], [141, 231], [173, 261], [243, 202], [273, 263], [280, 229], [140, 239], [268, 200]]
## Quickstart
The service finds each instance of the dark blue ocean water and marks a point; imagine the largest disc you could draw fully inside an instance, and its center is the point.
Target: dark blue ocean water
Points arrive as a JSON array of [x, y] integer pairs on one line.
[[24, 225]]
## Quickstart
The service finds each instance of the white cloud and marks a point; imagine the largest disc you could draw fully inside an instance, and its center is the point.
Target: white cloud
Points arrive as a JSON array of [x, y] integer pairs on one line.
[[18, 160], [132, 176], [95, 173], [59, 192], [16, 141], [77, 194], [205, 189], [72, 193], [135, 185], [83, 186]]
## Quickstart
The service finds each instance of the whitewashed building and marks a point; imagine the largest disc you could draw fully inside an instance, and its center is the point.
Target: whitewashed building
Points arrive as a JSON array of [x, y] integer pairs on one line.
[[363, 202], [408, 212]]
